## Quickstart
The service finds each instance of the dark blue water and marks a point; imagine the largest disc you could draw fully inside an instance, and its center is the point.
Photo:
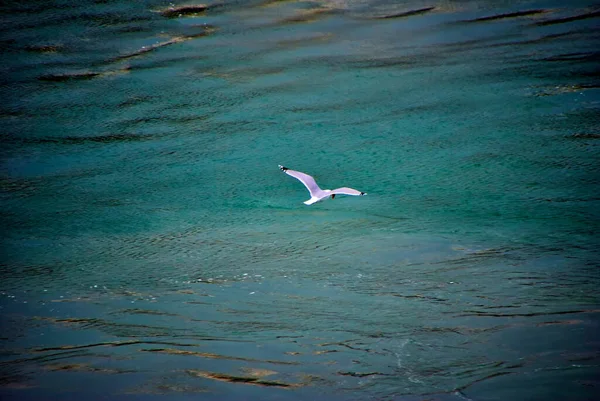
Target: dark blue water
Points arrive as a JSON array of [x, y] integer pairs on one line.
[[153, 250]]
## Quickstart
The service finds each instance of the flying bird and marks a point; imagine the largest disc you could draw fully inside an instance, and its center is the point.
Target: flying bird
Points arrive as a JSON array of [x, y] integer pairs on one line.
[[316, 193]]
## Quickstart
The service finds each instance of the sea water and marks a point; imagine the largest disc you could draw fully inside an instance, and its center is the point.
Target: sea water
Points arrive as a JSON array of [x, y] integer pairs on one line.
[[153, 250]]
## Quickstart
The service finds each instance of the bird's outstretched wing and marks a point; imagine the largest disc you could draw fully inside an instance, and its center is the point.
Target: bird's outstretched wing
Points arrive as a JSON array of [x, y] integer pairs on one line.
[[347, 191], [306, 179]]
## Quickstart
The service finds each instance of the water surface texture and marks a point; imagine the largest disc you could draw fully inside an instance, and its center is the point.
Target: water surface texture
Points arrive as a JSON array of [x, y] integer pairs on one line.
[[152, 250]]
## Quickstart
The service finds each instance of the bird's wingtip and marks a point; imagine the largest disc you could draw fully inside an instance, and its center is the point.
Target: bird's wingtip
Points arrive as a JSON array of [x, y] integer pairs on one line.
[[282, 168], [363, 193]]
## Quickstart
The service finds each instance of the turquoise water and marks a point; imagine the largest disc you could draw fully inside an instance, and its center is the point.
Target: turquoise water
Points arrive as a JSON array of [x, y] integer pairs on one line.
[[153, 250]]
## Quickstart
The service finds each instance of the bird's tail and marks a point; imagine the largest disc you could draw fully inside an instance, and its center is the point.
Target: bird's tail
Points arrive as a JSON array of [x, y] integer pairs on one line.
[[311, 201]]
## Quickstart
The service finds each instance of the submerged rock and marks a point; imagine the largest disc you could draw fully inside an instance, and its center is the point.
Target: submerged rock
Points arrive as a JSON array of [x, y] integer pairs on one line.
[[407, 13], [44, 48], [83, 367], [239, 379], [359, 374], [79, 76], [210, 355], [256, 372], [68, 76], [563, 20], [206, 30], [524, 13], [181, 11]]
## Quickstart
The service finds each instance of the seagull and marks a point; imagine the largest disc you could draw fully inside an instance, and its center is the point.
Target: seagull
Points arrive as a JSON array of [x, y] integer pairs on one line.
[[316, 193]]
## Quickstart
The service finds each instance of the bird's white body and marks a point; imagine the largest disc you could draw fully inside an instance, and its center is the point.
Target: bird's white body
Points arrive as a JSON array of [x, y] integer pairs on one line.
[[316, 193]]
